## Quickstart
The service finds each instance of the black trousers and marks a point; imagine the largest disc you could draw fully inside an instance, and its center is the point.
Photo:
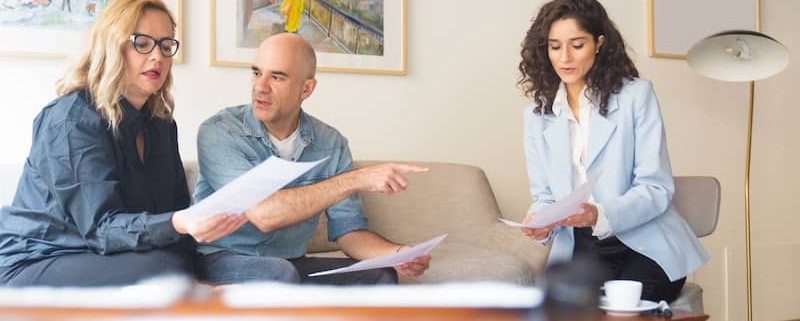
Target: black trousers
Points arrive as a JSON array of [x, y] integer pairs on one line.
[[617, 261], [92, 269], [308, 265]]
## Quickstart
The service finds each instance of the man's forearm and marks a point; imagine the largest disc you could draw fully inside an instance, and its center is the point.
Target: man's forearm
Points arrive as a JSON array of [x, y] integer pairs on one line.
[[290, 206], [364, 244]]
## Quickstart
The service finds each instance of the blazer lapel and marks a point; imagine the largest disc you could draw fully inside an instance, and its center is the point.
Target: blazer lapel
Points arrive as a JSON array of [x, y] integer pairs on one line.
[[557, 138], [600, 132]]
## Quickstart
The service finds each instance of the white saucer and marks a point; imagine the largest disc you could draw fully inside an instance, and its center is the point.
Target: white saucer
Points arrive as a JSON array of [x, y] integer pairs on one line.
[[644, 305]]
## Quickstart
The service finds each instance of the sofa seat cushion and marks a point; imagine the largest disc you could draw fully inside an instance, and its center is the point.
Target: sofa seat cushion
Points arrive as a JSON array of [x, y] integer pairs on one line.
[[454, 261], [474, 263]]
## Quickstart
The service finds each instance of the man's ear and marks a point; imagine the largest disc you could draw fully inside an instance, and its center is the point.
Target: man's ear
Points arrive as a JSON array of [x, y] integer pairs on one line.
[[308, 88]]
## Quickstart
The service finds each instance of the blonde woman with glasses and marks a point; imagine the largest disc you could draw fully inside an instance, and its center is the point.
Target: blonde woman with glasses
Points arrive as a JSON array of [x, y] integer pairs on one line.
[[100, 198]]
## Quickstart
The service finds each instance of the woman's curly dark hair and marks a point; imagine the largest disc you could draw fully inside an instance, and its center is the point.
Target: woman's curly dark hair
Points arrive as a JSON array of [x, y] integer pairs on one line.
[[612, 65]]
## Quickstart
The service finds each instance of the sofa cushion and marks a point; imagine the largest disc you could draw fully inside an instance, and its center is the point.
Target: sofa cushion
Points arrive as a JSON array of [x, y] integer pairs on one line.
[[191, 171], [450, 198], [455, 199], [473, 261]]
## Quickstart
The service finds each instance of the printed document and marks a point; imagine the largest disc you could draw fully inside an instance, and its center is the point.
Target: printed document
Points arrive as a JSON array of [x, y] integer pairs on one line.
[[389, 260], [250, 188], [562, 208]]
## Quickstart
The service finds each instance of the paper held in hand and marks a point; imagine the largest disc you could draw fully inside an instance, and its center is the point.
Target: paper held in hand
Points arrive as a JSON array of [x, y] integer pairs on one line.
[[389, 260], [250, 188], [562, 208]]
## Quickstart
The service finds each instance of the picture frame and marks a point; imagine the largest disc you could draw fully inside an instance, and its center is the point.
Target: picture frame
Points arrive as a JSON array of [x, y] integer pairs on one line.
[[63, 39], [234, 38], [674, 26]]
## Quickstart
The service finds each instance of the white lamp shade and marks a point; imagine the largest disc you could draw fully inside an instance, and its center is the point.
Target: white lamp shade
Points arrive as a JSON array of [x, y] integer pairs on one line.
[[738, 55]]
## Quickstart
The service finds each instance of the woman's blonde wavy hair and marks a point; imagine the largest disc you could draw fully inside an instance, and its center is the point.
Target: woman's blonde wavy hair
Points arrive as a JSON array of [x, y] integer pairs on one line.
[[99, 68]]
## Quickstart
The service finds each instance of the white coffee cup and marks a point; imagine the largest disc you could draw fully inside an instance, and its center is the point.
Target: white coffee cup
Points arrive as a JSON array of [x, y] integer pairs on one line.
[[623, 294]]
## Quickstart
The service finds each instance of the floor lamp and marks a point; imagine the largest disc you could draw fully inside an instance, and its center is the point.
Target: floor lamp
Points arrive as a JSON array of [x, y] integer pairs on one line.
[[740, 55]]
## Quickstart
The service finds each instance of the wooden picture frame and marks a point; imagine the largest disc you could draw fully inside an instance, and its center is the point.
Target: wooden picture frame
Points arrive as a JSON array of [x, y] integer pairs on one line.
[[675, 25], [343, 41]]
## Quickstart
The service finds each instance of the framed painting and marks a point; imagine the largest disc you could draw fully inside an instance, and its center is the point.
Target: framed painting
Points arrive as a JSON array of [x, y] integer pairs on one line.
[[366, 36], [56, 28], [674, 26]]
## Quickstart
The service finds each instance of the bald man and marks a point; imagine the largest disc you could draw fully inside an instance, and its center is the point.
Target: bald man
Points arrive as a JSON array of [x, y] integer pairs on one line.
[[238, 138]]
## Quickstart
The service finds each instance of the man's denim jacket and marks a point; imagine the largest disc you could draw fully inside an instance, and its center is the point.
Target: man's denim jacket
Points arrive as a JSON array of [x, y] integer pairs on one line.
[[234, 141]]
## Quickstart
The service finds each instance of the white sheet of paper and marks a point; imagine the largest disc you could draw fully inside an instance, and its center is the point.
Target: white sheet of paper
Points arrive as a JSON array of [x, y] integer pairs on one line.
[[512, 223], [389, 260], [250, 188], [562, 208]]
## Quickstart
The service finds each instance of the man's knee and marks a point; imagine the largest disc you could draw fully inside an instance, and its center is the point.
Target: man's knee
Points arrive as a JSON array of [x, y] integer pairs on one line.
[[285, 271], [225, 268]]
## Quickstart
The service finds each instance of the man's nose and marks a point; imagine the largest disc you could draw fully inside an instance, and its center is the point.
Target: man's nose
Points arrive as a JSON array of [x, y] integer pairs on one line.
[[262, 84]]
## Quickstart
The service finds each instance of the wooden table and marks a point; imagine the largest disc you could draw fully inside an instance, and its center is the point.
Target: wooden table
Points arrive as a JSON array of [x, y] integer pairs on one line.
[[212, 308]]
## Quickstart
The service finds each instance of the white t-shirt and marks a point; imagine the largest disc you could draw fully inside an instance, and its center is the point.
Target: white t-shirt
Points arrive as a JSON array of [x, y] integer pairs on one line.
[[287, 146]]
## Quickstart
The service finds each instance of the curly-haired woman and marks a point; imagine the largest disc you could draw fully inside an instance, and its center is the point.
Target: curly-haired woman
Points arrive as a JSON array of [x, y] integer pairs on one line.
[[591, 114]]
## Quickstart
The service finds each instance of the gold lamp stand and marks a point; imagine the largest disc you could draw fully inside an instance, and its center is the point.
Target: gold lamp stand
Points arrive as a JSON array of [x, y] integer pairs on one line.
[[741, 55]]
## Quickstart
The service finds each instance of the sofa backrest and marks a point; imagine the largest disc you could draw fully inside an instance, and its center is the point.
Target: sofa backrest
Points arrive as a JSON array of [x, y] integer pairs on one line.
[[450, 198], [191, 171]]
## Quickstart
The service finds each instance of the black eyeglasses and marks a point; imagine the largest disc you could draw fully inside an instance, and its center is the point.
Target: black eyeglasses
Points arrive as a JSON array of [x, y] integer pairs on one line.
[[145, 44]]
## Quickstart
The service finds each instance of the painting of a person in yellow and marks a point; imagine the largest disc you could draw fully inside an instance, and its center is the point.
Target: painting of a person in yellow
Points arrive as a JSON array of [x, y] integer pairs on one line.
[[292, 11]]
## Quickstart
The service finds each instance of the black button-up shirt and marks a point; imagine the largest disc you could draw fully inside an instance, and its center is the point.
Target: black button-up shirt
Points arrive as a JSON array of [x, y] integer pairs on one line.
[[84, 190]]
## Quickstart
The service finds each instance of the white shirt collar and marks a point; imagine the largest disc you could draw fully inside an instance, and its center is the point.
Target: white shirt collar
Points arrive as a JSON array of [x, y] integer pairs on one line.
[[560, 100]]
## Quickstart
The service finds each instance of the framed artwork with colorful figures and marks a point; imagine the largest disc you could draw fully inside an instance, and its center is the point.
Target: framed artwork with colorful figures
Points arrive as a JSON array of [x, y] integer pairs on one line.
[[365, 36]]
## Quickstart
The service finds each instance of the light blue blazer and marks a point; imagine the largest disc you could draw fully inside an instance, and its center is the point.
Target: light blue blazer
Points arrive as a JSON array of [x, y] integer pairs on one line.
[[630, 148]]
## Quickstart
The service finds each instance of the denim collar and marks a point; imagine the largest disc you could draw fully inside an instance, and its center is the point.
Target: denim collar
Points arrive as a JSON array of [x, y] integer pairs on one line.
[[255, 128]]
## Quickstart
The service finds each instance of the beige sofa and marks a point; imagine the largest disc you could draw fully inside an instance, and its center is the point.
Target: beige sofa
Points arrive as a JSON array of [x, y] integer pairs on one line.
[[450, 198]]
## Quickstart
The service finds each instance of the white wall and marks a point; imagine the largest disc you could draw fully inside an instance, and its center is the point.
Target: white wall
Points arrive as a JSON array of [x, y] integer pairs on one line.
[[459, 103]]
